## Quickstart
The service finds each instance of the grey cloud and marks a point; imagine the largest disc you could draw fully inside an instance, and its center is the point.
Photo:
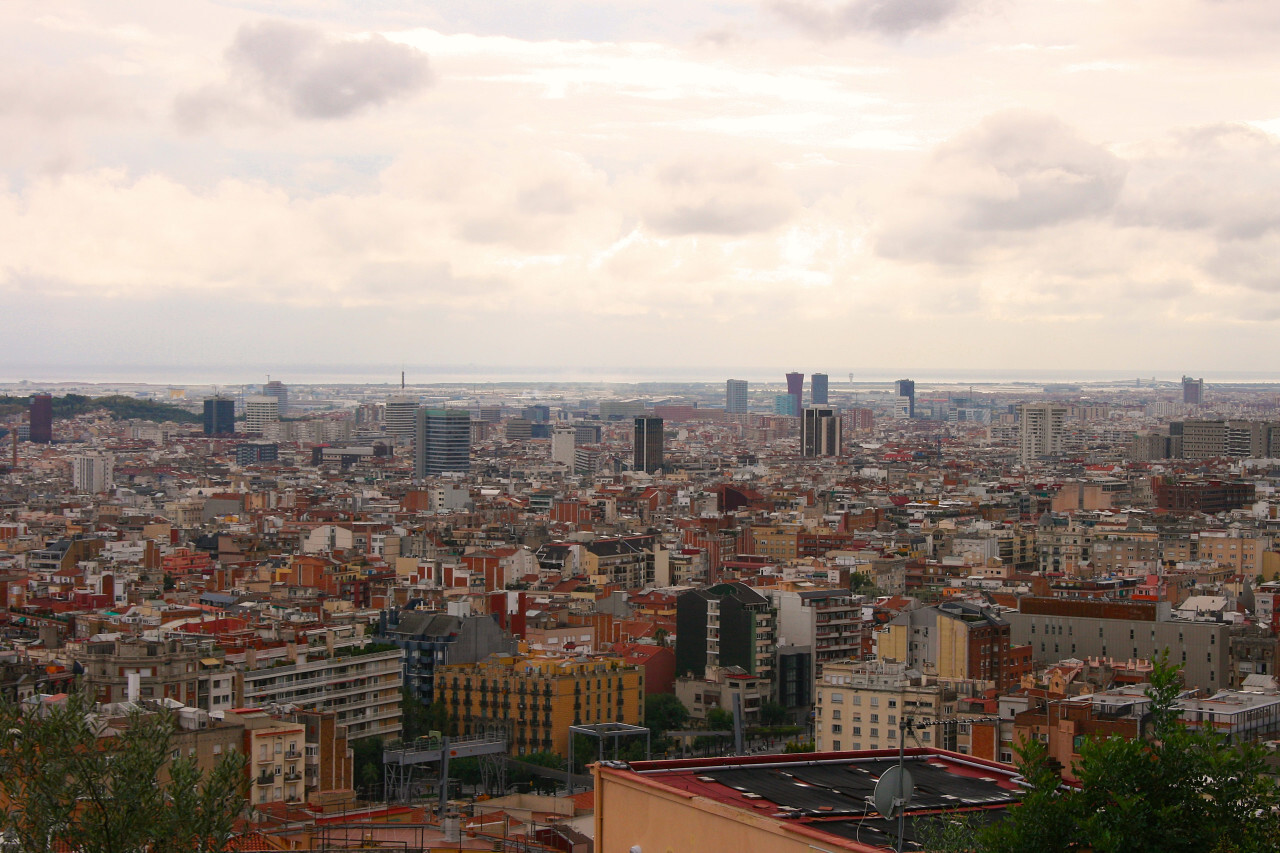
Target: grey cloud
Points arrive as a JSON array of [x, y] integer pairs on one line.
[[1049, 174], [714, 197], [307, 74], [318, 78], [1014, 173], [1221, 178], [887, 17]]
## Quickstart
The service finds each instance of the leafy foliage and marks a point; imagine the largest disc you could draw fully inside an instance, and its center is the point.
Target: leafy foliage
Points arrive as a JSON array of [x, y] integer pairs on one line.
[[118, 406], [663, 712], [64, 782], [1172, 790]]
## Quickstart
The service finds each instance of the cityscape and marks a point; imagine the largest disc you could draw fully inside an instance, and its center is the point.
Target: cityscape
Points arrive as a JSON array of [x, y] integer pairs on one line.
[[639, 426], [678, 581]]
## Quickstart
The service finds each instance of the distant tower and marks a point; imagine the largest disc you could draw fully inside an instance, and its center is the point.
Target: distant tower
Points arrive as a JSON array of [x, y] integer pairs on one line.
[[1192, 391], [648, 444], [42, 419], [276, 388], [443, 442], [907, 388], [795, 387], [92, 473], [563, 441], [1041, 429], [401, 415], [735, 396], [260, 411], [820, 432], [818, 389], [219, 415]]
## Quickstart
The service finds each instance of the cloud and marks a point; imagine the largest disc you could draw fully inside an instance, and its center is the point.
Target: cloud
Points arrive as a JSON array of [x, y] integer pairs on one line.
[[1015, 172], [886, 17], [1220, 178], [728, 197], [306, 72]]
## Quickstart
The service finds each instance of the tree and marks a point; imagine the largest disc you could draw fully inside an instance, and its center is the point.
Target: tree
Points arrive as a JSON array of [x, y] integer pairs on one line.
[[415, 719], [773, 713], [68, 779], [663, 712], [1171, 790], [719, 720], [366, 766]]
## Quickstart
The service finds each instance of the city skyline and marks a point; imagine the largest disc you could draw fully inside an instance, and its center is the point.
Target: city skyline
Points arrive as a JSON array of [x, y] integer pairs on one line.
[[265, 186]]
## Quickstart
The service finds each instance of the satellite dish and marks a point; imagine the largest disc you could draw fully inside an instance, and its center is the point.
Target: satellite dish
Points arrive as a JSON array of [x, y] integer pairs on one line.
[[893, 791]]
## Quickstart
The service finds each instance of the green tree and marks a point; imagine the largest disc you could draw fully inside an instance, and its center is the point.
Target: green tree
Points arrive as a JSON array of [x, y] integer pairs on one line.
[[69, 780], [415, 719], [366, 766], [1171, 790], [719, 720], [773, 713], [663, 712]]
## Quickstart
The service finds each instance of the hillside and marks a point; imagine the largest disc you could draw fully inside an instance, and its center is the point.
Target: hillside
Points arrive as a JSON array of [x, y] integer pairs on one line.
[[119, 406]]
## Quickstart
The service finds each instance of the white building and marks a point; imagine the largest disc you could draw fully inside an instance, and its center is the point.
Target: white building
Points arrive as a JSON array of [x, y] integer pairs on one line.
[[362, 686], [92, 473], [562, 444], [401, 416], [1041, 429], [260, 411]]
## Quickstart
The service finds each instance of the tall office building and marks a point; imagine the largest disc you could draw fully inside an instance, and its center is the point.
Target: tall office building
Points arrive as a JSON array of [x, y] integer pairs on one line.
[[735, 396], [443, 442], [1192, 391], [795, 388], [219, 415], [400, 415], [907, 388], [276, 388], [818, 389], [260, 411], [92, 473], [42, 419], [820, 432], [648, 445], [1041, 429], [562, 444]]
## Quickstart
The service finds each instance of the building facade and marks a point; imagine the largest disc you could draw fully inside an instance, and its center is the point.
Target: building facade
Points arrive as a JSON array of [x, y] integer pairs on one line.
[[219, 416], [648, 444], [443, 442], [735, 396], [535, 699]]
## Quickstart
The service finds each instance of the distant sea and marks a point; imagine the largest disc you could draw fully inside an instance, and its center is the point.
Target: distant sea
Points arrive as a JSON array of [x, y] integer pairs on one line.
[[466, 374]]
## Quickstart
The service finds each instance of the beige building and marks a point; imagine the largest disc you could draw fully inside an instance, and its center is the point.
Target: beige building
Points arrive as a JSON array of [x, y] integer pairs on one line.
[[1244, 554], [862, 706], [360, 685]]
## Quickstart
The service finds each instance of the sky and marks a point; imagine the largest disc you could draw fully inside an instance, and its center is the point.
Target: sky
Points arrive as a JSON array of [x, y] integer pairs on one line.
[[662, 187]]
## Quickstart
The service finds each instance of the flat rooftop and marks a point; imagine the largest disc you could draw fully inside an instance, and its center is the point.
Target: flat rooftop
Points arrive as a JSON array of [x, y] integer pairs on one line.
[[830, 792]]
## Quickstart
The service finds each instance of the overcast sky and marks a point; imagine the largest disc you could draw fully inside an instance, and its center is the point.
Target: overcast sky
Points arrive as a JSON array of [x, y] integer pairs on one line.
[[671, 185]]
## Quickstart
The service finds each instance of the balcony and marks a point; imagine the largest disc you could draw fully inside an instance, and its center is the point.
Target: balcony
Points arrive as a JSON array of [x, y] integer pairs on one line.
[[292, 776], [265, 779], [292, 754]]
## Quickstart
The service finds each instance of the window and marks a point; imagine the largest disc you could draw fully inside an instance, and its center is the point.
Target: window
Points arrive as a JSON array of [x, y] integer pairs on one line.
[[835, 715], [837, 729], [835, 744], [837, 698], [875, 718]]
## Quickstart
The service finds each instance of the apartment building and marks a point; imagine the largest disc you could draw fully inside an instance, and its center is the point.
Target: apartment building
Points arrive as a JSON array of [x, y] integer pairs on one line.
[[535, 699], [861, 705], [361, 685]]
